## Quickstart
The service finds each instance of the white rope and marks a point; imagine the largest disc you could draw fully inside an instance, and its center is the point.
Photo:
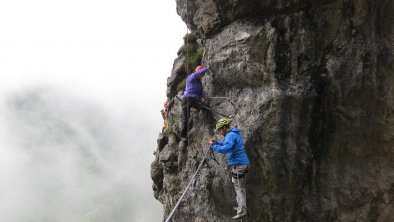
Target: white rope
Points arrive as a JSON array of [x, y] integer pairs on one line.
[[187, 187]]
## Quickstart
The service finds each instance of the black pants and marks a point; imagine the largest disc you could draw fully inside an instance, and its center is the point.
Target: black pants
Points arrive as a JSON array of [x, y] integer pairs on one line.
[[187, 104]]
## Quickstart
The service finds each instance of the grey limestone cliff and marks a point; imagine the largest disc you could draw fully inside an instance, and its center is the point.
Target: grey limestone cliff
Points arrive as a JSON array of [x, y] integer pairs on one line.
[[311, 87]]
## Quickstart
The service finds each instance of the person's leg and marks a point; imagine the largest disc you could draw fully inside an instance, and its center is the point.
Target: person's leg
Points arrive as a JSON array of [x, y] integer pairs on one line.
[[210, 120], [185, 116], [240, 195], [238, 180]]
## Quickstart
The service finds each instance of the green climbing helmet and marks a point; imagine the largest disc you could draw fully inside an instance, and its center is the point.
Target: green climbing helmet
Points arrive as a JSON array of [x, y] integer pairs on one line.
[[222, 122]]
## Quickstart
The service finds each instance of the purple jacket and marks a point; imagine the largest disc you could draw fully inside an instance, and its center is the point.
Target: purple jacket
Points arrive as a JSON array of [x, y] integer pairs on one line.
[[194, 86]]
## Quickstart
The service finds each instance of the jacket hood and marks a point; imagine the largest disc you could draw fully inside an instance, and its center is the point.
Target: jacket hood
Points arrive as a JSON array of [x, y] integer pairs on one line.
[[234, 130]]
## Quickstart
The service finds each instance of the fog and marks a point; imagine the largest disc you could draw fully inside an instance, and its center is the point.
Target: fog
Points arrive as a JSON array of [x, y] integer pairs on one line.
[[66, 158], [82, 83]]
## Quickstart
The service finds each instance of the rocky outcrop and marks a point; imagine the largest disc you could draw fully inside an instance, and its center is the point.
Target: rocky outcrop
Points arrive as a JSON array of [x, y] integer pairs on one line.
[[311, 86]]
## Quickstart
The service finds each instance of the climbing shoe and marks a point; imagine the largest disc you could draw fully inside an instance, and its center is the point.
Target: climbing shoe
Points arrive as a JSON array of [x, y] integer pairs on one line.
[[239, 215]]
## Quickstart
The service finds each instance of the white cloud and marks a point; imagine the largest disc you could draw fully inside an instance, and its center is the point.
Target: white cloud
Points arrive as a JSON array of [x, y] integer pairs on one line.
[[98, 47], [64, 157], [113, 55]]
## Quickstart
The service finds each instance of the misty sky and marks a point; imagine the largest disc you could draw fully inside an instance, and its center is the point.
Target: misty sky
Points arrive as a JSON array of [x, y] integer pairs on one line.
[[81, 86]]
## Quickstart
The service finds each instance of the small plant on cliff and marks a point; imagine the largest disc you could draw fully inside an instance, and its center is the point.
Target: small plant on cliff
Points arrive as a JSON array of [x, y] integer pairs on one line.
[[170, 127], [193, 52], [189, 44], [181, 85]]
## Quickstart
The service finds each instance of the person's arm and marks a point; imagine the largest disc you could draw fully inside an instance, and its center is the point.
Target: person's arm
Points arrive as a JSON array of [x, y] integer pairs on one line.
[[225, 146], [198, 73]]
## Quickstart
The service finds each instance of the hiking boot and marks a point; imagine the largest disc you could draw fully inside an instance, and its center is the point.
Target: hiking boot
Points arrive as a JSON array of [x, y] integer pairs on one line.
[[239, 215]]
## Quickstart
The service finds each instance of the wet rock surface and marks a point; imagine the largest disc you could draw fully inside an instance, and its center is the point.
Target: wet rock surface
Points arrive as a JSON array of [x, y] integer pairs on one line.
[[311, 87]]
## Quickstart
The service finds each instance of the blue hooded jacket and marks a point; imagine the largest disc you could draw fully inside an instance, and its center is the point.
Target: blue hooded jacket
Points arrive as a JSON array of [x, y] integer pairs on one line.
[[194, 86], [233, 147]]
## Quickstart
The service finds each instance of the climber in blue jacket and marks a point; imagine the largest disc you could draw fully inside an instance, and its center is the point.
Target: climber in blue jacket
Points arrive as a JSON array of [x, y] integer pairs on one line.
[[192, 98], [233, 147]]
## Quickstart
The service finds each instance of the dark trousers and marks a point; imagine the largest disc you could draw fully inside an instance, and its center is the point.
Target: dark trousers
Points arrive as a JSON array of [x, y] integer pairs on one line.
[[187, 104]]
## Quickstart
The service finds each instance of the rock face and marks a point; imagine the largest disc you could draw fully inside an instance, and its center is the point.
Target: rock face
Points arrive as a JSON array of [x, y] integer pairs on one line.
[[311, 87]]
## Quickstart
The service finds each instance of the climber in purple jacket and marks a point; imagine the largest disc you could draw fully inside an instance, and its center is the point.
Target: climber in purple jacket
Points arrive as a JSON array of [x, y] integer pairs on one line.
[[194, 88], [192, 97]]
